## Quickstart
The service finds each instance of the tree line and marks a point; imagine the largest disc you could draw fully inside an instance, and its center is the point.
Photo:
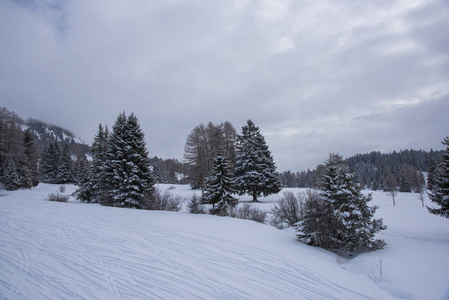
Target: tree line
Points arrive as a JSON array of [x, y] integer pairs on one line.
[[222, 163], [403, 170]]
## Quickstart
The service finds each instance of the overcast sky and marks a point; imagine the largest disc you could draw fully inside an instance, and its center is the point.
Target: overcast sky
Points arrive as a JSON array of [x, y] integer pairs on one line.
[[316, 76]]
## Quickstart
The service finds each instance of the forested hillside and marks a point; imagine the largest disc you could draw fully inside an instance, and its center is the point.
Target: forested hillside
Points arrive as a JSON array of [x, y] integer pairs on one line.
[[372, 169]]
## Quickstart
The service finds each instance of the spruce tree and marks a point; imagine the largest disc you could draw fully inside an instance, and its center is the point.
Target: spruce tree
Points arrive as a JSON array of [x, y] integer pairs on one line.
[[440, 192], [65, 168], [50, 163], [431, 173], [404, 184], [350, 225], [80, 167], [86, 191], [32, 157], [220, 187], [92, 186], [99, 183], [11, 178], [128, 174], [255, 169]]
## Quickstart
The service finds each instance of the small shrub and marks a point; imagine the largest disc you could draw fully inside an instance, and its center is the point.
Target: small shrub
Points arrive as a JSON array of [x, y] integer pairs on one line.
[[287, 210], [62, 188], [195, 206], [162, 200], [249, 212], [58, 197], [220, 210], [172, 187]]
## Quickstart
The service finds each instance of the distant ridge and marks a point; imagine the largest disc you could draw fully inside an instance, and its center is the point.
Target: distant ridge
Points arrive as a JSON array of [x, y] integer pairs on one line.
[[44, 133]]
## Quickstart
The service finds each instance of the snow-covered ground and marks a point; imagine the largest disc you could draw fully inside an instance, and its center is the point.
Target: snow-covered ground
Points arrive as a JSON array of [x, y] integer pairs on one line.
[[51, 250]]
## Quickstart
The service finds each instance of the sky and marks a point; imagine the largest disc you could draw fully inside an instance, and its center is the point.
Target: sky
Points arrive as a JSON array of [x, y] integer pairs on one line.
[[316, 77]]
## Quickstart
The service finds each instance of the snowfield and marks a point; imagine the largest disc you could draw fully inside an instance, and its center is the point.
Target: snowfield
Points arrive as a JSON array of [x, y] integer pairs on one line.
[[74, 250]]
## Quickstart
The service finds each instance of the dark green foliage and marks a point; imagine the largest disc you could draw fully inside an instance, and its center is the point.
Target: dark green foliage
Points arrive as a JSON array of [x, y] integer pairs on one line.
[[339, 217], [50, 163], [18, 155], [369, 169], [220, 187], [404, 184], [432, 173], [11, 178], [440, 192], [255, 170], [80, 167], [65, 168], [127, 169], [32, 157], [91, 186]]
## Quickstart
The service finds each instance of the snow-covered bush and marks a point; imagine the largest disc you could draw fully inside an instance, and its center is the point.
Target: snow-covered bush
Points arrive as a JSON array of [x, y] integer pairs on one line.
[[162, 200], [58, 197], [249, 212], [287, 210]]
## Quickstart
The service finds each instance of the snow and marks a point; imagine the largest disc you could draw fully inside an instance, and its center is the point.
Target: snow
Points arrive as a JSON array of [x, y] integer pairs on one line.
[[51, 250]]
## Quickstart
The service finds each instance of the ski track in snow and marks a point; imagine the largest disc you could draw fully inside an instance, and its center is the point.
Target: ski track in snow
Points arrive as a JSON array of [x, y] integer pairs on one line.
[[78, 251]]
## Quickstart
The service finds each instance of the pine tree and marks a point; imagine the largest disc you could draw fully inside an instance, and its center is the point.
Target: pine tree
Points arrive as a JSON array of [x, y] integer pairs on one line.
[[86, 191], [404, 184], [65, 168], [220, 187], [99, 183], [50, 162], [440, 192], [80, 167], [92, 186], [11, 178], [431, 173], [255, 170], [32, 157], [128, 172], [350, 225]]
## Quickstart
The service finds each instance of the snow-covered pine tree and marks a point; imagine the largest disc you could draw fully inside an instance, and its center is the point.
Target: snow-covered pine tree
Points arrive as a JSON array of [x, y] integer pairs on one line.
[[128, 166], [255, 170], [404, 184], [91, 185], [31, 154], [65, 168], [219, 187], [351, 225], [50, 163], [11, 179], [440, 192], [85, 191], [432, 166], [80, 167], [99, 182]]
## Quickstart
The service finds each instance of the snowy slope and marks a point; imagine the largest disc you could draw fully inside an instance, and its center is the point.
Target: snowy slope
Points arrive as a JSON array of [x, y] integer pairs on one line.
[[84, 251]]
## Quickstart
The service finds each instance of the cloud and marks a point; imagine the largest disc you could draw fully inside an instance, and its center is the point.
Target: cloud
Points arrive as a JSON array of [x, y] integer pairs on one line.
[[314, 76]]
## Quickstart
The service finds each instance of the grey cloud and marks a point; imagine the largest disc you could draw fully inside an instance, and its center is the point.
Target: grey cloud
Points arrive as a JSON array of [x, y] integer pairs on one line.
[[315, 76]]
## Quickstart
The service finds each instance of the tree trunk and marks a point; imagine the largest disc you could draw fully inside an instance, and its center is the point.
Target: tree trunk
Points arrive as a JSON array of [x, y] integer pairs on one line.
[[255, 197]]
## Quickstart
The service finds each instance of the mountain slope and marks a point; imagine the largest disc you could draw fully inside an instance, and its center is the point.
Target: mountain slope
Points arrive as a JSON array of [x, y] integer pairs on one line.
[[44, 133], [75, 250]]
